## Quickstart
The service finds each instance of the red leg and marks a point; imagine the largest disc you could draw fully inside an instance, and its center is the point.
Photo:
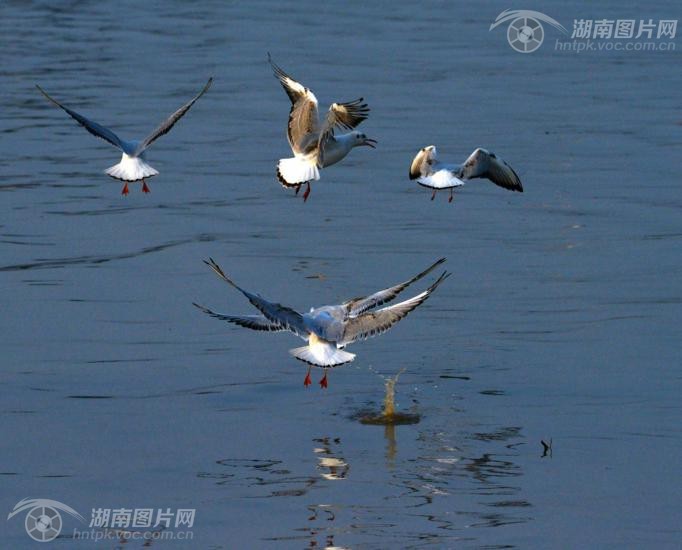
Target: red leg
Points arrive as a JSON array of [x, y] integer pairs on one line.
[[451, 197], [145, 189], [298, 188], [307, 192], [323, 382], [433, 195], [125, 189], [307, 380]]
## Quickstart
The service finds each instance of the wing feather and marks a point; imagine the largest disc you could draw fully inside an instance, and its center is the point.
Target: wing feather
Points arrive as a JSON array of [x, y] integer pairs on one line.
[[167, 124], [91, 126], [303, 115], [254, 322], [285, 316], [359, 305], [483, 164], [373, 323]]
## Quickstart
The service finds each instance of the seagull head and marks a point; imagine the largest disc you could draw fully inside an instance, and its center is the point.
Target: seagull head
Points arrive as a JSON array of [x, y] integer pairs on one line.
[[361, 139]]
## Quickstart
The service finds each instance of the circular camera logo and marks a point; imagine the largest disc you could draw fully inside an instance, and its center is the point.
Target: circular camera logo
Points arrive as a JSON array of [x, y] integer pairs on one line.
[[525, 32], [43, 521]]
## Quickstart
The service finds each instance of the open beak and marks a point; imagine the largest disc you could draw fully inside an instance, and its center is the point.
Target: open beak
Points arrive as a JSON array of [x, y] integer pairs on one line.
[[369, 142]]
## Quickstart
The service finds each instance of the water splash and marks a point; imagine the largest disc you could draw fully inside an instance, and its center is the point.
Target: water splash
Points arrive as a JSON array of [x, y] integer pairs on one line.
[[388, 416]]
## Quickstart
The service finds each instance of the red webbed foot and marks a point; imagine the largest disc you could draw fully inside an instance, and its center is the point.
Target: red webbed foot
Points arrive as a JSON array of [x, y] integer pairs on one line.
[[145, 189], [323, 382], [307, 193], [307, 380], [125, 189]]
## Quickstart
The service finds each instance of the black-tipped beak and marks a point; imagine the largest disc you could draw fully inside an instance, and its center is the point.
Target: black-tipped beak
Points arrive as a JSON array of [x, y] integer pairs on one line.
[[369, 142]]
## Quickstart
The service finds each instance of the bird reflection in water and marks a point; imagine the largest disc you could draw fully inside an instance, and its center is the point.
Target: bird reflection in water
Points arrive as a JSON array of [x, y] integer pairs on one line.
[[330, 464]]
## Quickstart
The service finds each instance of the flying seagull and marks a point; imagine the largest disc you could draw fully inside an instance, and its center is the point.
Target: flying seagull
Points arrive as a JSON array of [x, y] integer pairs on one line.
[[429, 172], [132, 166], [315, 144], [328, 329]]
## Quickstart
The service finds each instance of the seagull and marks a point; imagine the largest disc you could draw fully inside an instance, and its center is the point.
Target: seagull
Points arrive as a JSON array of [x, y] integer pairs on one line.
[[132, 166], [314, 144], [328, 329], [429, 172]]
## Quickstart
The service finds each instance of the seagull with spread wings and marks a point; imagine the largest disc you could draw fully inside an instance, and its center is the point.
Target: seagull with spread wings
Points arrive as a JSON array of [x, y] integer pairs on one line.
[[329, 329], [316, 144], [429, 172], [132, 166]]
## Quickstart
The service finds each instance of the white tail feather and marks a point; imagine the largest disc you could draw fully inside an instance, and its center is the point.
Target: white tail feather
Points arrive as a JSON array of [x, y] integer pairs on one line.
[[322, 355], [297, 170], [131, 169]]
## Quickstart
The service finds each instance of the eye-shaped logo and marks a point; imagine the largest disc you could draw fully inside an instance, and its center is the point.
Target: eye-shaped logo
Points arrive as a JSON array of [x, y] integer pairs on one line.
[[525, 32], [43, 522]]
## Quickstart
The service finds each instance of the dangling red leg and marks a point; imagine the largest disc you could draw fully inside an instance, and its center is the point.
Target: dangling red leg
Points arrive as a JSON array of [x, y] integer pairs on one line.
[[145, 189], [433, 195], [307, 380], [298, 188], [125, 189], [307, 192], [323, 382], [451, 197]]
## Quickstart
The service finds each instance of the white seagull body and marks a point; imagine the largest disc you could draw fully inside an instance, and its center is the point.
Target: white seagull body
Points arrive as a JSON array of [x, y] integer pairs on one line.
[[329, 329], [314, 144], [132, 166], [429, 172]]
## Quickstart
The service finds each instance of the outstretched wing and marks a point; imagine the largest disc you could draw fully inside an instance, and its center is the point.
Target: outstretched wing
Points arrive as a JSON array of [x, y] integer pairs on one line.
[[483, 164], [284, 316], [421, 164], [341, 115], [167, 124], [357, 306], [254, 322], [303, 116], [377, 322], [95, 129]]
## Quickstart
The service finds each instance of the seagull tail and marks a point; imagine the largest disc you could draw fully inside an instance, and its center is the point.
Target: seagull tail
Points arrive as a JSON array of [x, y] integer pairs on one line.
[[131, 169], [322, 355], [297, 170]]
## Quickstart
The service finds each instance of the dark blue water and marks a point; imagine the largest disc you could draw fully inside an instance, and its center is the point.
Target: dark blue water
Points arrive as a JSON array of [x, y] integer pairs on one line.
[[561, 321]]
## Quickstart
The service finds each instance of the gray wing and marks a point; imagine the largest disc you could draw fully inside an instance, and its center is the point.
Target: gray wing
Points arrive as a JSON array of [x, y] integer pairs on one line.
[[167, 124], [422, 163], [356, 306], [341, 115], [303, 116], [284, 316], [483, 164], [254, 322], [377, 322], [91, 126]]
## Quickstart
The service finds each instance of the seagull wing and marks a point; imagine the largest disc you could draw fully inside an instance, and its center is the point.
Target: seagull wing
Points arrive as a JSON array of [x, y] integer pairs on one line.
[[303, 116], [284, 316], [254, 322], [483, 164], [167, 124], [91, 126], [341, 115], [356, 306], [421, 164], [377, 322]]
